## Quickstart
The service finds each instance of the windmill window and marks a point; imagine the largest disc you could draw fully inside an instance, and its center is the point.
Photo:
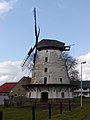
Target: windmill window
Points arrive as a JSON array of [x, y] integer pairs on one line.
[[85, 93], [62, 94], [46, 59], [60, 79], [29, 94], [45, 80], [45, 69]]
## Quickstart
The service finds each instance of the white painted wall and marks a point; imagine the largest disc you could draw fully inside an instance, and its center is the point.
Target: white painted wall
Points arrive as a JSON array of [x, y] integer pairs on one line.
[[55, 68], [2, 99], [52, 94], [85, 93]]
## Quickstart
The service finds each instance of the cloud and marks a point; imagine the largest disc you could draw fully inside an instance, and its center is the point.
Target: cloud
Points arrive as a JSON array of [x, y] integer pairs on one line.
[[6, 5], [12, 71], [8, 70], [85, 67]]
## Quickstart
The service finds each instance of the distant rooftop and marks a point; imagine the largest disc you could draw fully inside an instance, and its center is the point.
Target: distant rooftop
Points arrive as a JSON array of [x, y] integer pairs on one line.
[[86, 84], [6, 87]]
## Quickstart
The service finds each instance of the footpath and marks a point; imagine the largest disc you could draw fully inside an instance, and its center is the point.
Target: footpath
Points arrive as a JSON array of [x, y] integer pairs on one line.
[[87, 117]]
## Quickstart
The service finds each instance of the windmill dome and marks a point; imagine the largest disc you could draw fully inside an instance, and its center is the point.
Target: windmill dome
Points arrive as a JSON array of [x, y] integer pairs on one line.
[[50, 44]]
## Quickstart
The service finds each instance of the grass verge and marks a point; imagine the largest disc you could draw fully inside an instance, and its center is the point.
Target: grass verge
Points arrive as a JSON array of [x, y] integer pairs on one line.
[[76, 114]]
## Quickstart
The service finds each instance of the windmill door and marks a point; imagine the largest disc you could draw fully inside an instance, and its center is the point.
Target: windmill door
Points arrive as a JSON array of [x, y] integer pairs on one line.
[[44, 96]]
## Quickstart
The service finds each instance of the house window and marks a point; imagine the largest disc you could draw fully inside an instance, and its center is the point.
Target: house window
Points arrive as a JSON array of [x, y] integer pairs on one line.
[[15, 94], [62, 94], [45, 70], [85, 93], [84, 88], [46, 59], [60, 79], [45, 80]]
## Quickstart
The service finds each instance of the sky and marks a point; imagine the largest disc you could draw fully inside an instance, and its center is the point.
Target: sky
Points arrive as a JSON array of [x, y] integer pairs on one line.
[[65, 20]]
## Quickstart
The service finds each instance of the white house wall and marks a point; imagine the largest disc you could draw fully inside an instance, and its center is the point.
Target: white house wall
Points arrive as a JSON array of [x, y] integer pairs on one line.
[[85, 93], [2, 99]]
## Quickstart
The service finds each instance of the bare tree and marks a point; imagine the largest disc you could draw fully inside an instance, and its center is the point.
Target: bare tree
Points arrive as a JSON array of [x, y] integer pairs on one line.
[[71, 64]]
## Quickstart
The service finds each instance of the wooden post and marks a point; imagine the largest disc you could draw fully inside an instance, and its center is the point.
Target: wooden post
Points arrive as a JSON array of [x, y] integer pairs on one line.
[[61, 107], [69, 105], [35, 103], [33, 113], [49, 111], [1, 115]]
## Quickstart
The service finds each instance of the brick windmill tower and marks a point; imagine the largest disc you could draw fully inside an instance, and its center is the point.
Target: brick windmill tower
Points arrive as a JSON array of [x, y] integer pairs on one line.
[[50, 78]]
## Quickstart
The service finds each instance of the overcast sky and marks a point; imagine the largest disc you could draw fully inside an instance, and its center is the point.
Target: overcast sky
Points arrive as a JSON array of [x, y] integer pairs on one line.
[[64, 20]]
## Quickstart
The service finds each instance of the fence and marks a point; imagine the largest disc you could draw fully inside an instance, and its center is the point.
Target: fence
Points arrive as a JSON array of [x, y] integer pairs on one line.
[[61, 106], [1, 115], [49, 107]]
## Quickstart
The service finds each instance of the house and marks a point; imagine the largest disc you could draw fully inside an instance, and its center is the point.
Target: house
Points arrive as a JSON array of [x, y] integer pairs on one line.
[[85, 89], [5, 90], [11, 90], [18, 90]]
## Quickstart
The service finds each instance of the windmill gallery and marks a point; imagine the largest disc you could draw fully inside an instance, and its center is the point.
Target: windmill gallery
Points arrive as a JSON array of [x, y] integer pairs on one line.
[[50, 78]]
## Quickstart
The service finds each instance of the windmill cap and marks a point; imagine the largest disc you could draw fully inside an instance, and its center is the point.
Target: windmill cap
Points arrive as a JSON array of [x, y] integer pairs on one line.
[[50, 44]]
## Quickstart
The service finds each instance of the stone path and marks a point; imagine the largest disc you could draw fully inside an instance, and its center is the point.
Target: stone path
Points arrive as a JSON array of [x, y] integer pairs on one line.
[[87, 117]]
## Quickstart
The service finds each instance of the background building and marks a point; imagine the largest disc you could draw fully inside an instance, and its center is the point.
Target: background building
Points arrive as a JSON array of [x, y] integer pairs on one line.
[[5, 90], [18, 90], [85, 89]]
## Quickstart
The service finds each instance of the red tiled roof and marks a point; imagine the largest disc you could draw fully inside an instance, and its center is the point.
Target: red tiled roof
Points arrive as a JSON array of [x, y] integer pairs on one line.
[[6, 87]]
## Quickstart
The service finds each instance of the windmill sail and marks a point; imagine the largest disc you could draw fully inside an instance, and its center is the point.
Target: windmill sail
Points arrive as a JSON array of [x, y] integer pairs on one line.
[[36, 35], [31, 56]]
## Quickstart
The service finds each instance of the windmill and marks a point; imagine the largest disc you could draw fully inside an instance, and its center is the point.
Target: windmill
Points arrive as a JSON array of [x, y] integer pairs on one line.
[[31, 55]]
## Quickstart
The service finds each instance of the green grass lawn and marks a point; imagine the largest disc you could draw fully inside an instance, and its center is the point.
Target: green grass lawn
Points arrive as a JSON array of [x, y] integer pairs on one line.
[[41, 114], [78, 113], [23, 114], [26, 114]]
